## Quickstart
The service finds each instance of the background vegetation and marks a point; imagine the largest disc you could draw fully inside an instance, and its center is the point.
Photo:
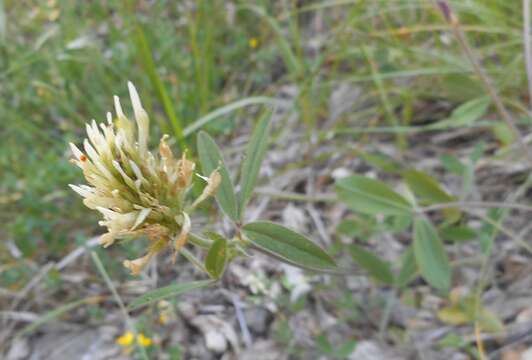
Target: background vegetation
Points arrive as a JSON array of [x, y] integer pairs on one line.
[[360, 87]]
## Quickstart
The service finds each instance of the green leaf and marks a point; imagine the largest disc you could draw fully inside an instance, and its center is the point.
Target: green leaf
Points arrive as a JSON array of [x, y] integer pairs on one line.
[[211, 158], [503, 133], [465, 310], [457, 233], [287, 245], [346, 349], [408, 269], [430, 255], [166, 292], [360, 226], [429, 191], [453, 165], [340, 351], [253, 159], [216, 258], [376, 267], [396, 223], [426, 187], [465, 114], [379, 160], [371, 196]]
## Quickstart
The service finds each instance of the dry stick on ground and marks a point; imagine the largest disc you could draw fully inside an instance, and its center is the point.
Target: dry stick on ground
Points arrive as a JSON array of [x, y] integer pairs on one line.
[[453, 21], [21, 296]]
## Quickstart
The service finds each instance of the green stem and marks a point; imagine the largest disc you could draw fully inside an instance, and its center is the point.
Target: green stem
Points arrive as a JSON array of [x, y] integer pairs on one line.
[[118, 299], [297, 197], [193, 259], [199, 241]]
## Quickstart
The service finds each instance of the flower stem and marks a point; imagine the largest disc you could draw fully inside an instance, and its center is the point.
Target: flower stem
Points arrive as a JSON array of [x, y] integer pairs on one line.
[[118, 299], [199, 241], [193, 259]]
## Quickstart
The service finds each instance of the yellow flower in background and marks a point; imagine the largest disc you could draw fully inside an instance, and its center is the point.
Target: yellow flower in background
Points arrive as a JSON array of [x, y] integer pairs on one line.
[[163, 319], [126, 339], [253, 43], [143, 340], [138, 193], [166, 312]]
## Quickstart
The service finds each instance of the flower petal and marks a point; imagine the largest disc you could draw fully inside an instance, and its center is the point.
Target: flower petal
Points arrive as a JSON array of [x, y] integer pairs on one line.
[[143, 122]]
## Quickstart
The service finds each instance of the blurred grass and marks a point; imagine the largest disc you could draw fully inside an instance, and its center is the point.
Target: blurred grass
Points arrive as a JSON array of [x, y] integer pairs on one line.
[[61, 62]]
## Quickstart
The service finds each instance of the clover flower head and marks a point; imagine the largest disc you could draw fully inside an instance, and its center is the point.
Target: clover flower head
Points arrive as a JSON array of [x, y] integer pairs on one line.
[[138, 193]]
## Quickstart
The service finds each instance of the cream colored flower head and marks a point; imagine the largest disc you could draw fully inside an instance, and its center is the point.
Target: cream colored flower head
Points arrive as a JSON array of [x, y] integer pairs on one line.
[[137, 193]]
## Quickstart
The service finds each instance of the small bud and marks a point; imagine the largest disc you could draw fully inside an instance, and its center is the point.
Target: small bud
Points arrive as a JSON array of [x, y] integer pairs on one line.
[[164, 149], [445, 9], [447, 12], [107, 240], [154, 232], [138, 264], [183, 236], [185, 171], [213, 182]]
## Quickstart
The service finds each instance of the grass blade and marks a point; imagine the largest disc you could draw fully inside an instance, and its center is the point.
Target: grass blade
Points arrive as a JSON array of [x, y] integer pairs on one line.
[[294, 66], [166, 292], [148, 64], [55, 313], [226, 109]]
